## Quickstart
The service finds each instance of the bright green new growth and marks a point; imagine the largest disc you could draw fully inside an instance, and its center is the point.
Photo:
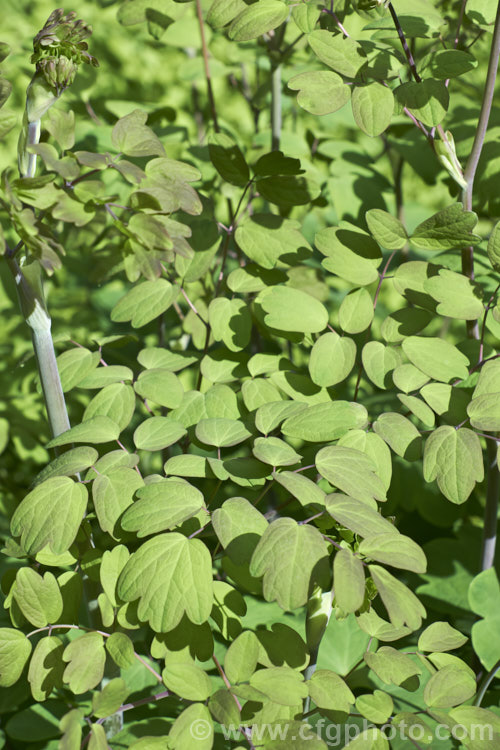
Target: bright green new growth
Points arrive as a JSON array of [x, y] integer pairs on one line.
[[277, 329]]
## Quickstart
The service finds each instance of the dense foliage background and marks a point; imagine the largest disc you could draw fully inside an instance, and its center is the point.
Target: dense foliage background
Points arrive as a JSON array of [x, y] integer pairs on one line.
[[288, 391]]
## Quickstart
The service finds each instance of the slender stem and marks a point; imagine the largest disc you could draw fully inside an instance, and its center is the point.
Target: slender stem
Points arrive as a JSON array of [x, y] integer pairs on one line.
[[460, 21], [206, 64], [475, 154], [485, 316], [488, 546], [226, 681], [37, 318], [275, 108], [488, 678], [335, 17], [484, 116], [404, 43]]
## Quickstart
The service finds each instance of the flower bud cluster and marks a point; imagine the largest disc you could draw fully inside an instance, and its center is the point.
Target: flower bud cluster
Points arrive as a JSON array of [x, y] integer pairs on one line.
[[60, 47]]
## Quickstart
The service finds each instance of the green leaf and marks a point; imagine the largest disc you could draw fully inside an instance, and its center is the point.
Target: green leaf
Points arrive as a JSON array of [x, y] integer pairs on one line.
[[5, 90], [290, 557], [417, 407], [121, 649], [399, 551], [402, 605], [223, 708], [455, 459], [351, 253], [436, 357], [86, 657], [358, 516], [483, 410], [238, 526], [4, 51], [332, 359], [471, 717], [414, 724], [112, 563], [351, 471], [369, 739], [282, 685], [156, 433], [258, 392], [391, 666], [379, 361], [181, 734], [228, 159], [132, 137], [427, 100], [267, 239], [287, 191], [145, 302], [448, 229], [320, 92], [271, 415], [400, 434], [329, 691], [15, 650], [321, 423], [116, 401], [386, 229], [241, 657], [356, 311], [110, 698], [8, 120], [170, 575], [484, 600], [39, 599], [275, 452], [98, 429], [291, 309], [222, 12], [104, 376], [276, 163], [404, 323], [440, 636], [162, 506], [160, 386], [50, 515], [342, 54], [494, 247], [61, 126], [46, 667], [372, 107], [450, 63], [112, 493], [348, 581], [377, 707], [221, 433], [154, 357], [231, 322], [448, 687], [375, 448], [98, 739], [68, 464], [302, 488], [455, 294], [187, 681], [409, 378], [258, 19], [74, 365]]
